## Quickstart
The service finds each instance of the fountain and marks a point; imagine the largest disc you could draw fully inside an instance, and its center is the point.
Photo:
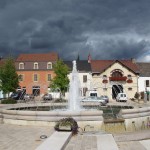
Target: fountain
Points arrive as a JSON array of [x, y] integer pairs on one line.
[[74, 99]]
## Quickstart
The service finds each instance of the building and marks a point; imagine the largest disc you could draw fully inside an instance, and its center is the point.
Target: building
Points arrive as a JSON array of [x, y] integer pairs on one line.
[[35, 72], [144, 78], [110, 77]]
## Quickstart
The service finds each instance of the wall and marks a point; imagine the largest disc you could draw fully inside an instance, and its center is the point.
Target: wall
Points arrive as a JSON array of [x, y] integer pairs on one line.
[[141, 83], [29, 83]]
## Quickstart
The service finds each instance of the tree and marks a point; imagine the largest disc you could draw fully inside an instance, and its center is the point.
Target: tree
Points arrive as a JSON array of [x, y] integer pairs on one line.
[[8, 77], [60, 81]]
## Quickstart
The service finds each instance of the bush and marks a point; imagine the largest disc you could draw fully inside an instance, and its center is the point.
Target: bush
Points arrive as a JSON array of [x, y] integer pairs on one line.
[[137, 95], [8, 101], [67, 122], [60, 101]]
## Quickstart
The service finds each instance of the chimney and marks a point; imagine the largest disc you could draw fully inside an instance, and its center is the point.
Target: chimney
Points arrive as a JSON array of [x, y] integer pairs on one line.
[[89, 58]]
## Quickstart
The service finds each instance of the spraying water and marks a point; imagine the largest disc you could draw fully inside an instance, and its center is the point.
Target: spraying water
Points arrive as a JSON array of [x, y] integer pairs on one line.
[[74, 90]]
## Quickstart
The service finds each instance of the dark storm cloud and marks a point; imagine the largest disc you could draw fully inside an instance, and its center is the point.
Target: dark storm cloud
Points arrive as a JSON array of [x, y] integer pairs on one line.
[[108, 29]]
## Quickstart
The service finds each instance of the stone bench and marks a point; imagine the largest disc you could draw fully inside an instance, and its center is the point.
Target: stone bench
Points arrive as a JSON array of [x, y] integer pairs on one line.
[[57, 141], [106, 142]]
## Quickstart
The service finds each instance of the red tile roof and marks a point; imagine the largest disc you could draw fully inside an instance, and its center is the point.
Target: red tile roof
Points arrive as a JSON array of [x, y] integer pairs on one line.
[[38, 57], [102, 65]]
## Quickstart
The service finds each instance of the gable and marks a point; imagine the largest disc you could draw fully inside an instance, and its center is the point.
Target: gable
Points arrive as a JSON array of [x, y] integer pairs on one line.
[[99, 66], [118, 66]]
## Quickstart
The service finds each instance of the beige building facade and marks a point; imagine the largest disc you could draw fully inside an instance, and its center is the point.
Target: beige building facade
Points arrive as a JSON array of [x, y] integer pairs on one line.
[[115, 78]]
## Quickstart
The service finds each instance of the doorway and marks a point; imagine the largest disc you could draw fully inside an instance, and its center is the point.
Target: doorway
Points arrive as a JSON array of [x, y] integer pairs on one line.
[[115, 90], [36, 90]]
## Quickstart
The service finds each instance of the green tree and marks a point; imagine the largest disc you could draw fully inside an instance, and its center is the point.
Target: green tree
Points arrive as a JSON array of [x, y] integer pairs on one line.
[[8, 76], [60, 81]]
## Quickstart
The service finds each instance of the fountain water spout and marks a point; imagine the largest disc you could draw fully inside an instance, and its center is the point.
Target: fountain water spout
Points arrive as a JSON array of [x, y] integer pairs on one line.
[[74, 90]]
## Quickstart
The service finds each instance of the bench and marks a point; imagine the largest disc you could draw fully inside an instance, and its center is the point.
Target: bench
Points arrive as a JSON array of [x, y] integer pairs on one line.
[[57, 141]]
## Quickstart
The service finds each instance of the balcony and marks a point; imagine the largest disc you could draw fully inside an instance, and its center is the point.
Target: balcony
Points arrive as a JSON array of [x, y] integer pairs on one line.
[[118, 78]]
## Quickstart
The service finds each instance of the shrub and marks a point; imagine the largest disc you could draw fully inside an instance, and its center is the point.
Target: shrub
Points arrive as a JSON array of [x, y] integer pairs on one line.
[[8, 101], [60, 101], [137, 95], [67, 122]]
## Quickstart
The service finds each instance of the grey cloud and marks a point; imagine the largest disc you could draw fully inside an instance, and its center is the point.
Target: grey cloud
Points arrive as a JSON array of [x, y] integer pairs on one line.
[[68, 27]]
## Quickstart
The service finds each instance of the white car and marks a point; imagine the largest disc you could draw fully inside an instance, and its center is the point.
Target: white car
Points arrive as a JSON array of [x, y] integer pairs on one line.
[[94, 99], [121, 97]]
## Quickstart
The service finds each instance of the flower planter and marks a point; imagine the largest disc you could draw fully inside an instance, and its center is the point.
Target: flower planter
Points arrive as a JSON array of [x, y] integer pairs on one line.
[[105, 81], [129, 81]]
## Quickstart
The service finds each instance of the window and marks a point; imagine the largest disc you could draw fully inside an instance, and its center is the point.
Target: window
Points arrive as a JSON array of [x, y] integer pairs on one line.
[[147, 83], [36, 66], [117, 73], [20, 77], [49, 65], [84, 78], [35, 77], [129, 76], [21, 65], [49, 77], [104, 77]]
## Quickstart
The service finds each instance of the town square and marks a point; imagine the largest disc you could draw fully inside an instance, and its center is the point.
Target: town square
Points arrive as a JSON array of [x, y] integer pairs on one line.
[[74, 75]]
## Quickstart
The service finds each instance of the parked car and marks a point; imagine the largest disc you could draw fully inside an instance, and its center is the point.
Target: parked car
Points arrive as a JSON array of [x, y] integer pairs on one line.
[[105, 97], [47, 97], [94, 99], [17, 95], [28, 96], [121, 97]]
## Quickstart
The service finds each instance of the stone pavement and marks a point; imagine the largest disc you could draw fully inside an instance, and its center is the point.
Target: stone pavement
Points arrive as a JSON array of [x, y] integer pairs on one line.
[[13, 137]]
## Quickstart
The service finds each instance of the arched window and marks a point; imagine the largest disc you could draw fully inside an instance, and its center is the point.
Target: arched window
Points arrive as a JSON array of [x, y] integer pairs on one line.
[[49, 65], [36, 65], [117, 73], [21, 65]]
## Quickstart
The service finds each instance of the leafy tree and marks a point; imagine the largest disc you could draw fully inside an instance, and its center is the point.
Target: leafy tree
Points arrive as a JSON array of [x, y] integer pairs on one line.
[[60, 81], [8, 77]]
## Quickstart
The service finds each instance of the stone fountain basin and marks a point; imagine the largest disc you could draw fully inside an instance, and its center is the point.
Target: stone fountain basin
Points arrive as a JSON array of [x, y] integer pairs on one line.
[[49, 118]]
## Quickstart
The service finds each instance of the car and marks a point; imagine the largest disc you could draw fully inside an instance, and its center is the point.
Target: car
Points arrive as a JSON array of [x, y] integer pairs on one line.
[[94, 99], [28, 96], [47, 97], [105, 97], [121, 97], [17, 95]]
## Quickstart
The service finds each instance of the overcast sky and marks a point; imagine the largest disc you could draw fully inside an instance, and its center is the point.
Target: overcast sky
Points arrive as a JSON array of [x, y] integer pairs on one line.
[[107, 29]]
